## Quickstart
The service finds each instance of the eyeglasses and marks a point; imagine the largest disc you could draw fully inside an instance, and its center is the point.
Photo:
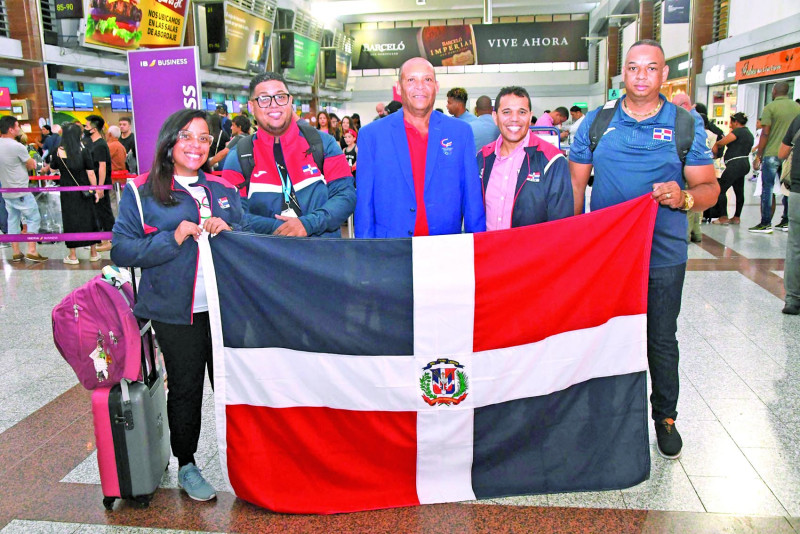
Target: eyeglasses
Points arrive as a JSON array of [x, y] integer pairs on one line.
[[265, 101], [203, 139]]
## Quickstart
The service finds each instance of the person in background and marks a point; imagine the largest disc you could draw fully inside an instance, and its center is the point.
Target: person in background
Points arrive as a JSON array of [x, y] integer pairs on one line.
[[324, 122], [577, 116], [552, 118], [51, 140], [346, 124], [101, 156], [116, 149], [484, 128], [240, 126], [224, 120], [128, 140], [791, 276], [336, 128], [221, 138], [738, 144], [15, 162], [380, 109], [457, 99], [351, 150], [356, 118], [179, 201], [74, 163]]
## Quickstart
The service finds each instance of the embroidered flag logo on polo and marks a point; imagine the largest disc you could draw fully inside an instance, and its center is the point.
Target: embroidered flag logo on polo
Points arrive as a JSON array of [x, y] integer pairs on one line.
[[534, 177], [310, 169], [662, 134], [223, 203]]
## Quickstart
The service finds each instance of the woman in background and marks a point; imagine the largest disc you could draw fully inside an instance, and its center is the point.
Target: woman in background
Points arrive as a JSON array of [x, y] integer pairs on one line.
[[737, 164], [74, 162]]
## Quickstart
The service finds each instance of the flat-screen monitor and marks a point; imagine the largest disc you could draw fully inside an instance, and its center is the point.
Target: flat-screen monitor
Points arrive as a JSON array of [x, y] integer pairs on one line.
[[236, 107], [118, 103], [305, 55], [247, 39], [82, 101], [129, 102], [211, 104], [336, 68], [62, 101]]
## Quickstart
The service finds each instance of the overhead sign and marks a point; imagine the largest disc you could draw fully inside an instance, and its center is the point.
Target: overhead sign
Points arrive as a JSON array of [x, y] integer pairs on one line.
[[472, 44], [69, 9], [122, 25], [676, 11], [178, 87], [781, 62], [613, 94], [5, 98], [247, 37]]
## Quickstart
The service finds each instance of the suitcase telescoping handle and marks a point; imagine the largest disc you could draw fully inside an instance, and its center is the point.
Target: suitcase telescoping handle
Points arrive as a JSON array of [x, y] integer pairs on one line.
[[149, 372]]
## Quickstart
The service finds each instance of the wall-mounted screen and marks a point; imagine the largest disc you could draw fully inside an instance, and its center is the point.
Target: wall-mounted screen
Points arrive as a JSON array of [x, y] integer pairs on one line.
[[118, 103], [211, 104], [82, 101], [305, 55], [247, 41], [62, 101], [336, 66], [129, 102]]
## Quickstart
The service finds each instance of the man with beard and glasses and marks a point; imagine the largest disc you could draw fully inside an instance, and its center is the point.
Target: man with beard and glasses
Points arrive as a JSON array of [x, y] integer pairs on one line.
[[294, 180]]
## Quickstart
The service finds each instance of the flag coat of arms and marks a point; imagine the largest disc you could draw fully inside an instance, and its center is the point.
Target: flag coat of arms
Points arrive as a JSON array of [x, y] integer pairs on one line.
[[363, 374]]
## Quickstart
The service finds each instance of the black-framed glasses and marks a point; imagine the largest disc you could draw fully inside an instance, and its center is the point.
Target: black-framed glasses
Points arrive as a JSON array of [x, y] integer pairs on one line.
[[265, 101], [203, 139]]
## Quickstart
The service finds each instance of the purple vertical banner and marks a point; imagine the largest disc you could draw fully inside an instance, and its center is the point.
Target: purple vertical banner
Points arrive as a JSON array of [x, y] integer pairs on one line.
[[162, 82]]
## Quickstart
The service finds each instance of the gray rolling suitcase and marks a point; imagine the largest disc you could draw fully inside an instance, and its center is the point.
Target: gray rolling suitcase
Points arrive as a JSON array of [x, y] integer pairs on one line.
[[131, 430]]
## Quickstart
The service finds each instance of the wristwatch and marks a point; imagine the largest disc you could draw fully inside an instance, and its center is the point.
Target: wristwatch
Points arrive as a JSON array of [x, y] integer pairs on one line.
[[688, 200]]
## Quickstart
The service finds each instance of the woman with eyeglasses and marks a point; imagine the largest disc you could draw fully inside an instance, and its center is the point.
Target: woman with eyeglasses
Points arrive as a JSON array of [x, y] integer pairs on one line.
[[161, 215]]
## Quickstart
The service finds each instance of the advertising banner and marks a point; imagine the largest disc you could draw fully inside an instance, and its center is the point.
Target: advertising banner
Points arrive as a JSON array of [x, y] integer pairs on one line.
[[5, 98], [769, 64], [122, 25], [475, 44], [303, 67], [178, 86], [676, 11], [247, 39]]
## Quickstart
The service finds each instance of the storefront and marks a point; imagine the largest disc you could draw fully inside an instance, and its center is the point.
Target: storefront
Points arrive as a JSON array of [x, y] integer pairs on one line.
[[759, 73], [678, 76]]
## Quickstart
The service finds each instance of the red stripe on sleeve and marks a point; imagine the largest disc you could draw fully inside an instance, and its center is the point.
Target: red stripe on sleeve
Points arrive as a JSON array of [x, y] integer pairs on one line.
[[563, 275]]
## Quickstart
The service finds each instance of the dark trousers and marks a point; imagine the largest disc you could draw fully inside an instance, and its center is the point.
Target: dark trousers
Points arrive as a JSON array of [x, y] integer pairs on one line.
[[3, 216], [103, 213], [734, 174], [664, 290], [187, 353]]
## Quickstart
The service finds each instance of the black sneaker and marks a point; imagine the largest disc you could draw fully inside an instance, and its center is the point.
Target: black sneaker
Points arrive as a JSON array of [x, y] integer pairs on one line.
[[791, 309], [669, 439], [782, 226], [761, 229]]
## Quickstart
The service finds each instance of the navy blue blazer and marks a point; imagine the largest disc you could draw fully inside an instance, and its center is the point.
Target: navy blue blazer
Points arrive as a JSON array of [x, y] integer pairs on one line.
[[386, 205]]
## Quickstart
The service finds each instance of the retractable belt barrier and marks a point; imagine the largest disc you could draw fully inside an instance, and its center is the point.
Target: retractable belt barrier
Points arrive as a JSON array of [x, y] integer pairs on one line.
[[118, 177]]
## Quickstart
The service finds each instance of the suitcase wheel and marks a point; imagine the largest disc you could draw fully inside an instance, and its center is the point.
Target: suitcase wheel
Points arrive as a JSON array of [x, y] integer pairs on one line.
[[108, 502], [143, 501]]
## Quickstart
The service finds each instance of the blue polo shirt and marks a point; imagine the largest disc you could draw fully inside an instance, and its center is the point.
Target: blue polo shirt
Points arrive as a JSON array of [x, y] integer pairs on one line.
[[630, 158]]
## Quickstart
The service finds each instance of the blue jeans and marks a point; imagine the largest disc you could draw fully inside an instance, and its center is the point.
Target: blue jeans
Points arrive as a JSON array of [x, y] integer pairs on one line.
[[3, 216], [769, 170], [23, 207], [664, 290]]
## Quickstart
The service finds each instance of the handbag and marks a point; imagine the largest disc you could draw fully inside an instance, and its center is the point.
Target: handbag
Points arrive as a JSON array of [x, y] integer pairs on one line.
[[84, 194]]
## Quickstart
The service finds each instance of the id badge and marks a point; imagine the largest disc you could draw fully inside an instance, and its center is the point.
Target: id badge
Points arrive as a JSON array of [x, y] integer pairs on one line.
[[289, 212]]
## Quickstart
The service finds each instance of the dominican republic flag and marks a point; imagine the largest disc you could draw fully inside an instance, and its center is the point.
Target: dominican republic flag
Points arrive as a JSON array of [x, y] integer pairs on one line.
[[662, 134], [362, 374]]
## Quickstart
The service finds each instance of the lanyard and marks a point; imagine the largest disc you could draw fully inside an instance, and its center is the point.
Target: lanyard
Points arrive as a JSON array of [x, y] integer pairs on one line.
[[286, 184]]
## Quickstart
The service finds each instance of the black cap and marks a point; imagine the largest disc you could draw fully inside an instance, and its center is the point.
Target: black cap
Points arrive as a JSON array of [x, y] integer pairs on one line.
[[222, 107], [739, 117]]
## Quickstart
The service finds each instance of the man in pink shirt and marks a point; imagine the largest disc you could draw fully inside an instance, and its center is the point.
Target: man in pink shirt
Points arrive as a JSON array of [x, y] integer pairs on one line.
[[525, 180], [553, 118]]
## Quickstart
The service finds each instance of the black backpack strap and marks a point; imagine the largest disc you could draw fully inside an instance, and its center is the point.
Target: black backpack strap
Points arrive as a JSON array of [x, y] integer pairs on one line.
[[244, 148], [600, 123], [684, 132], [314, 140]]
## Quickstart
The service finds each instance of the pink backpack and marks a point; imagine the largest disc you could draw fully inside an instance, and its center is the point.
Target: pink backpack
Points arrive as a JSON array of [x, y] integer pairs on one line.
[[96, 332]]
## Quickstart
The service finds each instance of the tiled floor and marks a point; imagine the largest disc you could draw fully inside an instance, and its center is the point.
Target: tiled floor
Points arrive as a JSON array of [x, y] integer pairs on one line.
[[739, 416]]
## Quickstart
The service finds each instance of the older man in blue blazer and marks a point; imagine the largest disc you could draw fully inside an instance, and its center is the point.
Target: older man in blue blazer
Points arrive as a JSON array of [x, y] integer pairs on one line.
[[417, 173]]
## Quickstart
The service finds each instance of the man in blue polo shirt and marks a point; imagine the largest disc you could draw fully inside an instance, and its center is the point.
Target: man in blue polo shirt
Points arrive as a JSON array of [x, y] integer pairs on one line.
[[638, 155]]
